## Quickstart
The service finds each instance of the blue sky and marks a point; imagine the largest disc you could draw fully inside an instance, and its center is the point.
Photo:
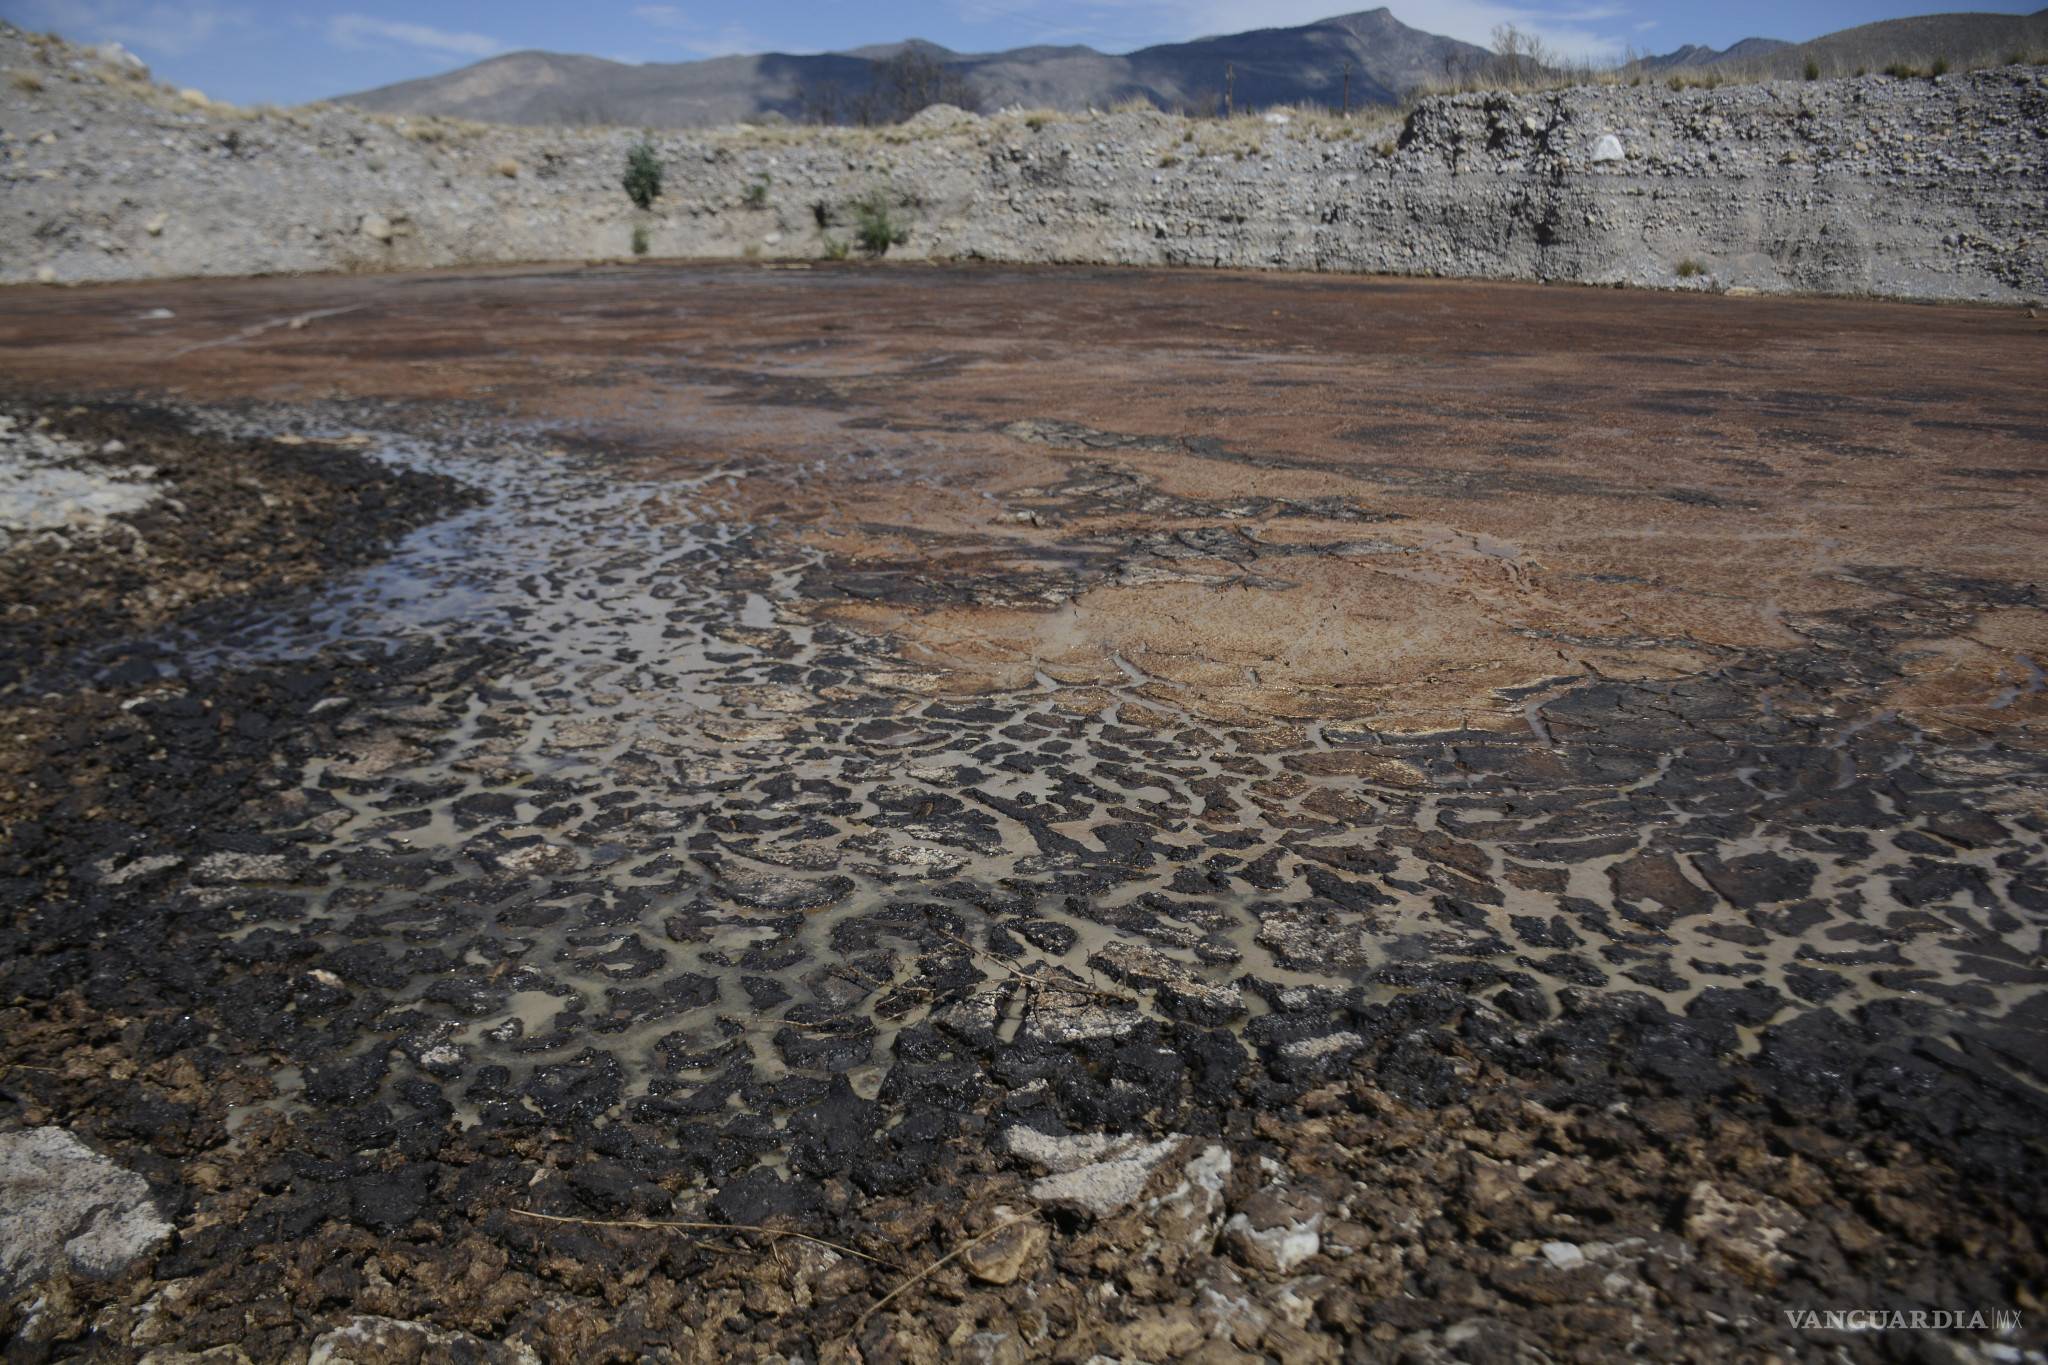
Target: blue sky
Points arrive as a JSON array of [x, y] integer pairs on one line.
[[257, 51]]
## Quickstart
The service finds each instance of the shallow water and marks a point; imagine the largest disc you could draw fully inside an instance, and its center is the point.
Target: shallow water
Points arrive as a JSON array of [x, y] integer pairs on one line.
[[681, 832]]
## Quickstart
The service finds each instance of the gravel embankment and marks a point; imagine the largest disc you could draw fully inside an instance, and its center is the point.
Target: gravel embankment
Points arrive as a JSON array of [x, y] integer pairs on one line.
[[1928, 189]]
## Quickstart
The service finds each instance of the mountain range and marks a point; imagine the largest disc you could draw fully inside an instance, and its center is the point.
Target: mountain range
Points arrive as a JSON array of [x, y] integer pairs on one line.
[[1366, 58]]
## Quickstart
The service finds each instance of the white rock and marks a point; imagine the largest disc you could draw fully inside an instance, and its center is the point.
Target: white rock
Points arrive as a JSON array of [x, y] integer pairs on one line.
[[1283, 1247], [244, 867], [1563, 1255], [1608, 148], [1197, 1201], [1092, 1171], [368, 1340], [376, 227], [1308, 1049], [63, 1206], [1068, 1153], [112, 872], [40, 491]]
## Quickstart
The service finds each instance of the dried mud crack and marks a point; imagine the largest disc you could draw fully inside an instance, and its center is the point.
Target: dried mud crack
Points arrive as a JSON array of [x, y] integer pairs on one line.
[[667, 839]]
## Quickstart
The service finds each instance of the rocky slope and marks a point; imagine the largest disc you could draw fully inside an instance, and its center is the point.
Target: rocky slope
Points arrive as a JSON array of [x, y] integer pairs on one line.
[[1912, 188]]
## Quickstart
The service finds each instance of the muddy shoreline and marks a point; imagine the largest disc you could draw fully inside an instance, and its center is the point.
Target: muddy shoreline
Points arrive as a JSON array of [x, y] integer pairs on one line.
[[640, 844]]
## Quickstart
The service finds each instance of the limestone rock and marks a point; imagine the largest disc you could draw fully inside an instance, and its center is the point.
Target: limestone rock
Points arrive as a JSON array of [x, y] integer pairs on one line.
[[368, 1340], [63, 1206], [1105, 1187], [1276, 1229], [1093, 1173]]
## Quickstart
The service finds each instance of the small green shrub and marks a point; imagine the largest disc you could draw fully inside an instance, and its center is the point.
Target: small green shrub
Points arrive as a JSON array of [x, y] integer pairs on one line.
[[1902, 71], [1690, 269], [643, 175], [1940, 67], [836, 250], [639, 239], [755, 196], [1812, 69], [875, 228]]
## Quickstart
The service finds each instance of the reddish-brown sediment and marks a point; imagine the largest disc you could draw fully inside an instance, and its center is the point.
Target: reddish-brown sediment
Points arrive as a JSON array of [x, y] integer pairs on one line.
[[1583, 479]]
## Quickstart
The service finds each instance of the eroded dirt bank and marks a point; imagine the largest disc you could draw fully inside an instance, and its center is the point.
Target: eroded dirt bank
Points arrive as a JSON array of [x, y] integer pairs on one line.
[[1259, 816], [1901, 188]]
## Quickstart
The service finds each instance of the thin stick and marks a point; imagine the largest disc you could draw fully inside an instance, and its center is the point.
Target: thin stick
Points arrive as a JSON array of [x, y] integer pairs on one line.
[[657, 1225], [933, 1268]]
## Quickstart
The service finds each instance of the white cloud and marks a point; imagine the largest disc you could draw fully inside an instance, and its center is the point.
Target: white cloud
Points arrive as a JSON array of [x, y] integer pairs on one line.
[[679, 30], [730, 39], [359, 31], [168, 30]]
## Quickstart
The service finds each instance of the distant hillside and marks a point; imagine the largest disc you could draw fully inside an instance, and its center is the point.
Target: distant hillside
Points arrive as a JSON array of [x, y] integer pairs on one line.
[[1388, 62], [1698, 54], [1963, 40], [1266, 67], [561, 89]]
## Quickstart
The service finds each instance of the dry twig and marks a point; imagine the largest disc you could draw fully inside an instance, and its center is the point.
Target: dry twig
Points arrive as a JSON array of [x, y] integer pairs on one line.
[[665, 1224], [934, 1267]]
